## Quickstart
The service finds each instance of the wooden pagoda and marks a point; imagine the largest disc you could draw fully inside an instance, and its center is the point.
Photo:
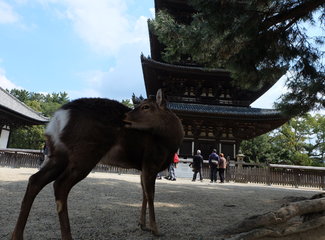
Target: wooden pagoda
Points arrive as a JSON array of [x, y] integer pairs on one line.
[[214, 113]]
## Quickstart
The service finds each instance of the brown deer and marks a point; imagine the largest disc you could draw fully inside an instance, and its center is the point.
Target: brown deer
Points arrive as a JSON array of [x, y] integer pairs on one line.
[[86, 131]]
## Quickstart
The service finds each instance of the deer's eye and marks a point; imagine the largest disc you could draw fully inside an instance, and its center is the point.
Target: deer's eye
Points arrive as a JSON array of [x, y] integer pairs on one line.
[[145, 107]]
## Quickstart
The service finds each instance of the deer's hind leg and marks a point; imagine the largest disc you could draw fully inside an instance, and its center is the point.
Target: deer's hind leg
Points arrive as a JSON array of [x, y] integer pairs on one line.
[[36, 183], [79, 167]]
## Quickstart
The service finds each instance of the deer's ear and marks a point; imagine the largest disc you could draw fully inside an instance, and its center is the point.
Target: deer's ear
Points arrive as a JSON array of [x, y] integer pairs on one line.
[[160, 99]]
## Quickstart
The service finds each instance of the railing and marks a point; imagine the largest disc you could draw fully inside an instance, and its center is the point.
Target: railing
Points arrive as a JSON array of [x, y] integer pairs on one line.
[[20, 158], [27, 158], [272, 174]]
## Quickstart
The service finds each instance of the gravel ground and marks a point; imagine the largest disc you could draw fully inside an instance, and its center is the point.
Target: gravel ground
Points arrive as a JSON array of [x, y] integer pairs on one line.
[[107, 206]]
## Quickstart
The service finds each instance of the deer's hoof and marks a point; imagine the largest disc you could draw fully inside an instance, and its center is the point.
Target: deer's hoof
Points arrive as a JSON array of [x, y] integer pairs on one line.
[[16, 237], [157, 233], [143, 227]]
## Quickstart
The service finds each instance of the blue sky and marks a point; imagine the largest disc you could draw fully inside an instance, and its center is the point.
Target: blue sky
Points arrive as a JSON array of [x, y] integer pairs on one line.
[[85, 48]]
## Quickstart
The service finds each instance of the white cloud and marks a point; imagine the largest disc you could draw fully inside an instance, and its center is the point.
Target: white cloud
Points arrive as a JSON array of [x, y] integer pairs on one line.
[[5, 83], [103, 24], [7, 14]]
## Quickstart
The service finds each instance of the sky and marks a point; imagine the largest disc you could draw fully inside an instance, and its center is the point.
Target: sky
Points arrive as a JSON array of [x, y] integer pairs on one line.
[[81, 47]]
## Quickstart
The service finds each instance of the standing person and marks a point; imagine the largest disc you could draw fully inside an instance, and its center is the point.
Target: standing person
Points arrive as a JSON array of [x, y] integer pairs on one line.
[[171, 169], [222, 167], [197, 165], [45, 154], [213, 164]]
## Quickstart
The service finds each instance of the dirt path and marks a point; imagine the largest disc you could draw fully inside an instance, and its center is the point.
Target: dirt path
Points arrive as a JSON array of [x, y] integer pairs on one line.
[[107, 206]]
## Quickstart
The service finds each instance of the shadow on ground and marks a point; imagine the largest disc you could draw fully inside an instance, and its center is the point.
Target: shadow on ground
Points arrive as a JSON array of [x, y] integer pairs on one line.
[[109, 208]]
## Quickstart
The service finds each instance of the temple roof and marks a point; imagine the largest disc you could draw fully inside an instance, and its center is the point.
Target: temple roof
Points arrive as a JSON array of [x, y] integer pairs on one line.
[[156, 74], [227, 111], [226, 122], [15, 112]]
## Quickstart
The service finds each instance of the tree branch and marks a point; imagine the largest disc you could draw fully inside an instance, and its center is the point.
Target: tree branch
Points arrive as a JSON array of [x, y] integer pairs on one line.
[[294, 13]]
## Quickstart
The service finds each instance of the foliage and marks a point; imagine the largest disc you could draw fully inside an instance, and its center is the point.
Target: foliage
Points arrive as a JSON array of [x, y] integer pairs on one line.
[[32, 137], [127, 103], [257, 149], [257, 41], [27, 137], [301, 141]]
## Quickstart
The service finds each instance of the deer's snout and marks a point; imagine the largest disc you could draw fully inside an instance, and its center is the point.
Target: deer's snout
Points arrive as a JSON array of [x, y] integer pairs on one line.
[[126, 120]]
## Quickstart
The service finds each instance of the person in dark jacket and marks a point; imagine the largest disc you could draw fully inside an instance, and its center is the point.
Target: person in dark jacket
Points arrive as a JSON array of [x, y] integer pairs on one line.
[[197, 165], [213, 164]]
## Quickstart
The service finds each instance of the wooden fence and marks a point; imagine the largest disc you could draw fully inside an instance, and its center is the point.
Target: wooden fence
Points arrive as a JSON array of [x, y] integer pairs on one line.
[[272, 174]]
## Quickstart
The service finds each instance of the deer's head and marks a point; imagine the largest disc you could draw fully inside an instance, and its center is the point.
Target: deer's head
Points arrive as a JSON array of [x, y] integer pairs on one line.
[[148, 114]]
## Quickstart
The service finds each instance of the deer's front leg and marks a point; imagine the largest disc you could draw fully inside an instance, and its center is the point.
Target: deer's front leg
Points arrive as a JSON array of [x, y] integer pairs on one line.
[[142, 221], [148, 184]]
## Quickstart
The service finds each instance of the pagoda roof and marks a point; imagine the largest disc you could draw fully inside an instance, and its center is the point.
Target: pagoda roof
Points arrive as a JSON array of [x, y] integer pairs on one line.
[[227, 122], [227, 112], [154, 70], [15, 113]]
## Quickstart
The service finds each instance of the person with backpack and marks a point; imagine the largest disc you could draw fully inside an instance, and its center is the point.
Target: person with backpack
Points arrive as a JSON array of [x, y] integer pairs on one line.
[[171, 169], [213, 164]]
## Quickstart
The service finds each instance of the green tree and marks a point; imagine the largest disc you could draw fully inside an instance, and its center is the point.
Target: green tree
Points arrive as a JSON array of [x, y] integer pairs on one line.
[[301, 141], [289, 143], [127, 103], [257, 41], [28, 137], [258, 149], [316, 144], [32, 137]]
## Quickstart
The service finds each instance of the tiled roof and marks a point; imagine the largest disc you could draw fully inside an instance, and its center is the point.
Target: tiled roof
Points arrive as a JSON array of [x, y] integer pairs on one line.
[[224, 110], [184, 68], [11, 103]]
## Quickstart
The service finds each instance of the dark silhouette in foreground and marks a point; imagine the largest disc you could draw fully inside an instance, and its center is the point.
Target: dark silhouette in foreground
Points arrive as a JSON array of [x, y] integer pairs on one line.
[[86, 131]]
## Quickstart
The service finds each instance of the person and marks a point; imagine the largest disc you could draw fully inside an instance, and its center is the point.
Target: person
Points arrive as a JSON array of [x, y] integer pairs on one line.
[[45, 155], [158, 176], [213, 164], [171, 169], [222, 167], [197, 165]]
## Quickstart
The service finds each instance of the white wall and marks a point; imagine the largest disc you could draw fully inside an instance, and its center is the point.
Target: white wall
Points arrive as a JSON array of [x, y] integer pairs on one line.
[[4, 137]]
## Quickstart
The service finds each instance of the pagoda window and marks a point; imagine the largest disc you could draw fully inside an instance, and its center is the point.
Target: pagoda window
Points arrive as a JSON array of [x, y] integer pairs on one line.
[[186, 149], [206, 146], [228, 149]]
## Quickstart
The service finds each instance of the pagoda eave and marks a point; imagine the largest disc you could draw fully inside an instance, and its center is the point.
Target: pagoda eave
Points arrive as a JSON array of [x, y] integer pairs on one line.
[[222, 122], [157, 74]]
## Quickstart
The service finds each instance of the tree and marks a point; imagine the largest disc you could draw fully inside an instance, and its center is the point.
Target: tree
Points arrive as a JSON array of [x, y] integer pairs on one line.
[[258, 149], [316, 144], [32, 137], [257, 41], [127, 103], [301, 141]]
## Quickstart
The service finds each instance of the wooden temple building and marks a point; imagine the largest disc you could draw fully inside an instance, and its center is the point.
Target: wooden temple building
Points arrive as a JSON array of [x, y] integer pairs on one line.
[[14, 113], [214, 113]]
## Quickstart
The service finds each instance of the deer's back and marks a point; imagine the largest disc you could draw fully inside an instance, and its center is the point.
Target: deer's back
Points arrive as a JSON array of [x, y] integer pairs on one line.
[[91, 121]]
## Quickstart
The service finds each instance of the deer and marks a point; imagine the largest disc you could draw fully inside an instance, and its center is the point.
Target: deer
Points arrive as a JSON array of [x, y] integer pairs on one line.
[[87, 131]]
